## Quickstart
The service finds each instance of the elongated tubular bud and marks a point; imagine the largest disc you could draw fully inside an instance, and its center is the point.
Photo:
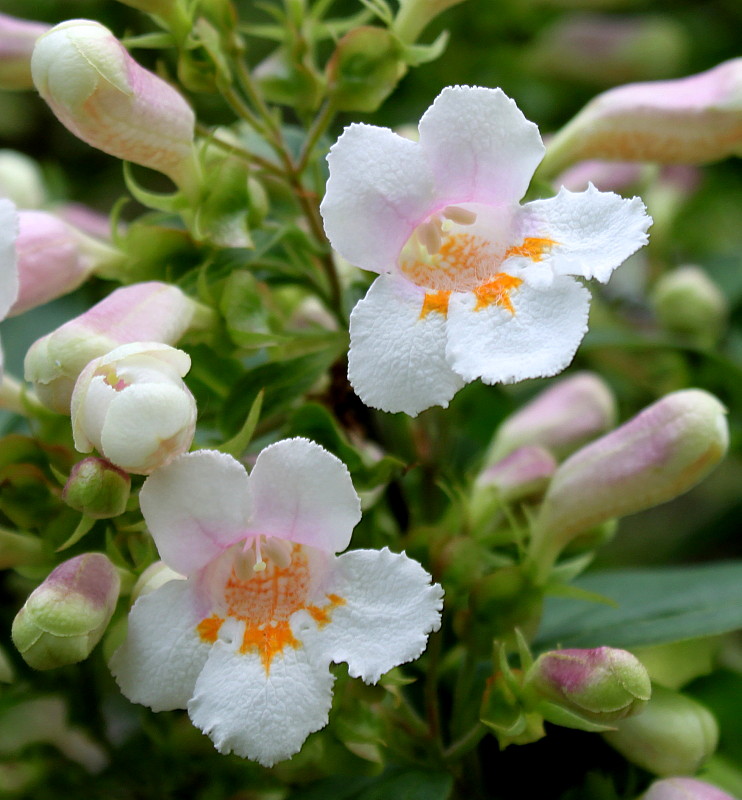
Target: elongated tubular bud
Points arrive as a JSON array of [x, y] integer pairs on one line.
[[17, 39], [97, 91]]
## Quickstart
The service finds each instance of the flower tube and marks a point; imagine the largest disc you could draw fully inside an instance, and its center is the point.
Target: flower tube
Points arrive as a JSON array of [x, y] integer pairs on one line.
[[472, 284], [152, 311], [684, 789], [685, 121], [17, 39], [97, 91], [8, 262], [246, 641]]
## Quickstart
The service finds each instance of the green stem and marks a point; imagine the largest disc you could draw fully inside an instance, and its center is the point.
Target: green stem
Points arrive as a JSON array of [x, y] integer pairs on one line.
[[432, 707], [466, 743], [321, 122], [240, 152]]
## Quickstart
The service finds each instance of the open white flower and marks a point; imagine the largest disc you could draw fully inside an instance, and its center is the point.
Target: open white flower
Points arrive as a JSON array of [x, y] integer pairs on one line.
[[246, 641], [473, 285]]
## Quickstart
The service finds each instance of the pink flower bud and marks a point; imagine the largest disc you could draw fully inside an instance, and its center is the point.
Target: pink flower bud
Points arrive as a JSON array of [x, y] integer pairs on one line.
[[561, 418], [17, 39], [659, 454], [133, 407], [50, 260], [686, 121], [600, 685], [684, 789], [105, 98], [65, 617], [523, 472], [85, 219], [155, 312]]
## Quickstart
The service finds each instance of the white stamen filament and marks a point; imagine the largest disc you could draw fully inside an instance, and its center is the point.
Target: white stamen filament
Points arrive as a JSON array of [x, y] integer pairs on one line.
[[250, 559]]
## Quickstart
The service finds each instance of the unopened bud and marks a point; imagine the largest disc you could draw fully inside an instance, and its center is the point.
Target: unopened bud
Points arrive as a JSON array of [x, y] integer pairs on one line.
[[608, 176], [50, 260], [674, 735], [523, 473], [606, 50], [133, 407], [97, 488], [364, 69], [691, 120], [600, 685], [21, 180], [684, 789], [155, 312], [64, 617], [561, 418], [688, 302], [659, 454], [414, 15], [17, 40], [97, 91]]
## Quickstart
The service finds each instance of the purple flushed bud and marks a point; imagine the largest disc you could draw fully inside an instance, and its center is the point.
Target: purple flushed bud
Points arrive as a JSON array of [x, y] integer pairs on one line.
[[690, 120], [97, 91], [674, 735], [152, 311], [133, 407], [561, 418], [51, 262], [684, 789], [524, 472], [600, 685], [97, 488], [65, 617], [17, 40], [689, 303], [656, 456], [604, 49]]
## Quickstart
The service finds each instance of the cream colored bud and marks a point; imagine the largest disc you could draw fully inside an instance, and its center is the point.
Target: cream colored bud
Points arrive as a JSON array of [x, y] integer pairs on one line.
[[97, 90]]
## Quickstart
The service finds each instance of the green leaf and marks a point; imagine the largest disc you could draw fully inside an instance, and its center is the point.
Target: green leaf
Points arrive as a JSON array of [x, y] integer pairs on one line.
[[237, 445], [654, 606]]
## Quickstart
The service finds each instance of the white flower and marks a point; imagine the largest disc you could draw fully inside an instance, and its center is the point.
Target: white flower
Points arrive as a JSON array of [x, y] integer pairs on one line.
[[133, 407], [246, 641], [473, 285]]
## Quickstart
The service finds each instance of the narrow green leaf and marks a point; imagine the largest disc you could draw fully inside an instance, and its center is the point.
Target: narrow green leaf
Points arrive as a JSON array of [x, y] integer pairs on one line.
[[237, 445]]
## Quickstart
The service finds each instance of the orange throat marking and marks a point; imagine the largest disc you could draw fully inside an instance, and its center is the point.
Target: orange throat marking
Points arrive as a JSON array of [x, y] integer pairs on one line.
[[532, 248], [435, 301], [265, 602], [497, 292]]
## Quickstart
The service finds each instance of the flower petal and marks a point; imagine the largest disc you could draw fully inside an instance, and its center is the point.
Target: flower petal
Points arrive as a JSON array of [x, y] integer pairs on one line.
[[380, 189], [262, 717], [594, 231], [537, 340], [303, 493], [195, 507], [479, 146], [396, 360], [388, 611], [8, 265], [158, 663]]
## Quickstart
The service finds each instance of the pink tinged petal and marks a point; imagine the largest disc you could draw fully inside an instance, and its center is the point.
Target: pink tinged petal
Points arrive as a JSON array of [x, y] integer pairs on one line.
[[380, 189], [263, 717], [397, 349], [304, 494], [389, 609], [538, 339], [593, 232], [162, 656], [479, 146], [8, 266], [50, 263], [195, 507]]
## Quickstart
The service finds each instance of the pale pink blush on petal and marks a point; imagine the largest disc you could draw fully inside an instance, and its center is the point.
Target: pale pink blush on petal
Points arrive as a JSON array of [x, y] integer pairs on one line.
[[479, 146], [303, 493], [380, 188], [195, 507], [8, 266]]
